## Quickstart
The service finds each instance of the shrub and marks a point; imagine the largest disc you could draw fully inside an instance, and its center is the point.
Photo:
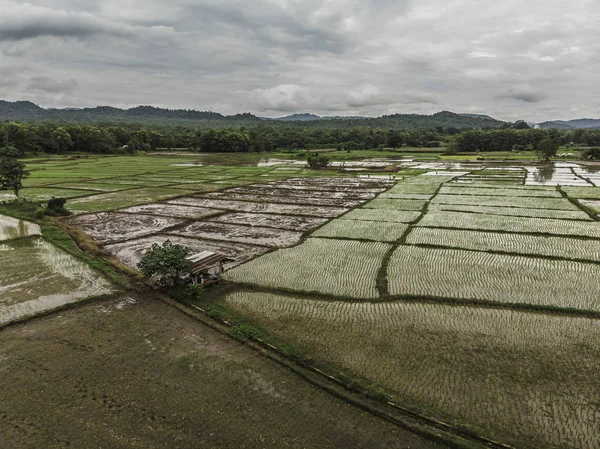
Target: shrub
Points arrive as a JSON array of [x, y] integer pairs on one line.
[[591, 153], [56, 206], [246, 332], [315, 160]]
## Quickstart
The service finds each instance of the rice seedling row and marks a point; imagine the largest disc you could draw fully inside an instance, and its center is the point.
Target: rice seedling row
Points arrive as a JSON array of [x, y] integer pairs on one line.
[[474, 221], [472, 275], [449, 190], [362, 230], [395, 204], [592, 193], [559, 247], [119, 200], [489, 200], [382, 215], [508, 186], [455, 363], [407, 187], [335, 267], [512, 211]]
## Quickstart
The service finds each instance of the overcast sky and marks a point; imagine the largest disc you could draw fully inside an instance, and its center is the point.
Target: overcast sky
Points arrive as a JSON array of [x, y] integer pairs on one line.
[[510, 59]]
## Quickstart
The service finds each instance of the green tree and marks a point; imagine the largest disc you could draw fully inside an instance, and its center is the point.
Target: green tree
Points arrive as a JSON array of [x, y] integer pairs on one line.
[[62, 140], [168, 261], [12, 171], [547, 148], [315, 160]]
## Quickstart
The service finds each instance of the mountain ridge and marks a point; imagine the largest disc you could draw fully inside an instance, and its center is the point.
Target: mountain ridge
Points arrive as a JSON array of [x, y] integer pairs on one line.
[[26, 111]]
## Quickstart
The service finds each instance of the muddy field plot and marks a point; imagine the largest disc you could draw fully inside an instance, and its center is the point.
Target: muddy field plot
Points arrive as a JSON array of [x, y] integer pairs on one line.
[[289, 222], [307, 199], [36, 276], [266, 208], [242, 234], [108, 227], [171, 210], [268, 190], [132, 251], [133, 372]]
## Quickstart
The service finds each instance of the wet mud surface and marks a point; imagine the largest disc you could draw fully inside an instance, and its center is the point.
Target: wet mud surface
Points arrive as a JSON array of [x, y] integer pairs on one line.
[[133, 372]]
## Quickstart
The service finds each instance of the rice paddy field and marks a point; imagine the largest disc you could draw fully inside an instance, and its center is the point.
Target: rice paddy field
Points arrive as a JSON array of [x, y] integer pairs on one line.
[[36, 276], [481, 309], [469, 293]]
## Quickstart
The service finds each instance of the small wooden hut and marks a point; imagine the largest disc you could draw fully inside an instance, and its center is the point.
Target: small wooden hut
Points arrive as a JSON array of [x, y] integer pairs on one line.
[[206, 267]]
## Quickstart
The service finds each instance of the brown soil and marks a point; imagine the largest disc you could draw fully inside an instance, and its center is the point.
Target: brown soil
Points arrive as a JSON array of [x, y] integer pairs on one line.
[[307, 199], [269, 190], [112, 227], [135, 373], [132, 251], [265, 208], [241, 234], [289, 222]]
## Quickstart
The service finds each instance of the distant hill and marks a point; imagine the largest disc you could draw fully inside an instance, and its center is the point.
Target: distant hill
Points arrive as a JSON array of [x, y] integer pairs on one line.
[[572, 124], [25, 111], [483, 116], [299, 118]]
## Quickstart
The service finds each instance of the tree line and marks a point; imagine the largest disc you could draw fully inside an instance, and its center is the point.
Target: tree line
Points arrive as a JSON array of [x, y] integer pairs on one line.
[[64, 138], [130, 138]]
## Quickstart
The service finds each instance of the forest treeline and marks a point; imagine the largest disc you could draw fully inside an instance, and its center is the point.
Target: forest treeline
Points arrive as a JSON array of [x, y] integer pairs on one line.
[[131, 138]]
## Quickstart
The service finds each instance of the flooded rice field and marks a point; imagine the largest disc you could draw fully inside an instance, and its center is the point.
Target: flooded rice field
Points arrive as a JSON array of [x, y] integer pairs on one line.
[[265, 208], [131, 252], [12, 228], [240, 222], [289, 222], [288, 199], [36, 276], [112, 227], [171, 210], [257, 235]]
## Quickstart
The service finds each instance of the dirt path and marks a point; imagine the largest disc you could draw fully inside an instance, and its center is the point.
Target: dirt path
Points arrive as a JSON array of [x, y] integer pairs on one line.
[[135, 373]]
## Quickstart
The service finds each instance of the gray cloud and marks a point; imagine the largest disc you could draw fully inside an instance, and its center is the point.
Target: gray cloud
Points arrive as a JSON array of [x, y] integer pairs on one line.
[[525, 93], [26, 21], [535, 60], [51, 86]]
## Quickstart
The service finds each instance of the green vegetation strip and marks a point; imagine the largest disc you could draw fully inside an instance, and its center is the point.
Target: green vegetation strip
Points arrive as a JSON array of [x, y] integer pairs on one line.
[[395, 204], [459, 274], [362, 230], [559, 247], [513, 211], [474, 221], [336, 267], [446, 190], [489, 200]]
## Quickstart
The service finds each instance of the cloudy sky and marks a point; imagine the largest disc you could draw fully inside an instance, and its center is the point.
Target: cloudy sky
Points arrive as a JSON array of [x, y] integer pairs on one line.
[[511, 59]]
